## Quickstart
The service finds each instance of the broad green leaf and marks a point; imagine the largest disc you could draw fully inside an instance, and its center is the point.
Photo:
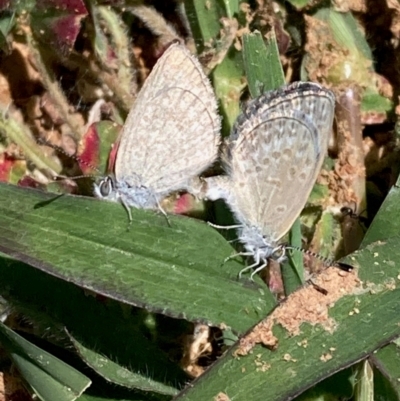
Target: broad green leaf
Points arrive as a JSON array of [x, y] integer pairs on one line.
[[175, 268]]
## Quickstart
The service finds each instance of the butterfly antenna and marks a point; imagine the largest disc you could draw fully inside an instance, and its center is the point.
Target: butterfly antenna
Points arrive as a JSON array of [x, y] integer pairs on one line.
[[77, 177], [59, 149], [326, 261]]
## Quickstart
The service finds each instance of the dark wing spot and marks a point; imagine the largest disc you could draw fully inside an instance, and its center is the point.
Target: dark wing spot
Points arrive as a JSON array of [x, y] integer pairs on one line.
[[302, 176], [281, 209], [287, 153]]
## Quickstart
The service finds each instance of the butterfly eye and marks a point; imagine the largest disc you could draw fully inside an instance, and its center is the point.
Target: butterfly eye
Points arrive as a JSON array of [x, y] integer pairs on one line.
[[106, 186], [279, 253]]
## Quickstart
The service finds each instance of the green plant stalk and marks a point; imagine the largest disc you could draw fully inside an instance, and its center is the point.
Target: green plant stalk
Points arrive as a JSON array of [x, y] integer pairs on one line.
[[364, 387], [231, 7], [323, 234], [156, 23], [357, 64], [101, 71], [222, 47], [121, 44], [99, 41], [351, 63], [123, 98], [21, 136], [350, 147], [293, 269], [227, 77], [124, 85], [228, 84], [344, 26], [53, 88]]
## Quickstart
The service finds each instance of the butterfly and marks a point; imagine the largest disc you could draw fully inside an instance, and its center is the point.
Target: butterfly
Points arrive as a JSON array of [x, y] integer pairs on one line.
[[272, 159], [170, 135]]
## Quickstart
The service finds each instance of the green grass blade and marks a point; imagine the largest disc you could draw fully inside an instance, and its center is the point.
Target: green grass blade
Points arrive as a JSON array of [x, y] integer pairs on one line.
[[115, 373], [53, 303], [292, 269], [262, 63], [50, 378], [386, 364]]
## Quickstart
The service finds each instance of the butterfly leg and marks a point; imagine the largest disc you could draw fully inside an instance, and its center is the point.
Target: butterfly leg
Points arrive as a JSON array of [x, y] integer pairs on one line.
[[235, 226], [162, 211], [128, 210], [237, 254], [257, 259], [264, 265], [249, 268]]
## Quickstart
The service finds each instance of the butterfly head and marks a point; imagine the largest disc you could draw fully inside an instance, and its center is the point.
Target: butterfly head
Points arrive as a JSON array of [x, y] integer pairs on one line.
[[139, 196], [106, 188], [260, 245]]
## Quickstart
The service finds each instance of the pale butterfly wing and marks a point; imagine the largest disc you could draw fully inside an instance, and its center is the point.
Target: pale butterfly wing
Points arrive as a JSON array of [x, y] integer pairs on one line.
[[172, 131], [312, 99], [318, 103], [268, 187], [274, 155]]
